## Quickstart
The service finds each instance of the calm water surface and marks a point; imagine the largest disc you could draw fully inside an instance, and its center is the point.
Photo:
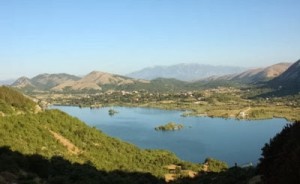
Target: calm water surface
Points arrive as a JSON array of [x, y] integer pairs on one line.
[[229, 140]]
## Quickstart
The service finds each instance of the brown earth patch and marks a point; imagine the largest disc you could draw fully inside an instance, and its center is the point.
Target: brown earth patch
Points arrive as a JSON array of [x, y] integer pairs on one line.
[[66, 143]]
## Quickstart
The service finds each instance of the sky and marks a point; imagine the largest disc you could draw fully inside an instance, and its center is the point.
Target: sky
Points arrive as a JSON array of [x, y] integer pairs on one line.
[[122, 36]]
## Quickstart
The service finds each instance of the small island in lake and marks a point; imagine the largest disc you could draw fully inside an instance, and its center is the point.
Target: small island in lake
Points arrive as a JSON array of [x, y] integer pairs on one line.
[[171, 126], [112, 112]]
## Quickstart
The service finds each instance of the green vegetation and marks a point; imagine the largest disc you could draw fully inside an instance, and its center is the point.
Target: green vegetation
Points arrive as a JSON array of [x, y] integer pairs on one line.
[[171, 126], [12, 101], [112, 112], [16, 167], [30, 134], [52, 147], [280, 163], [215, 165], [44, 136]]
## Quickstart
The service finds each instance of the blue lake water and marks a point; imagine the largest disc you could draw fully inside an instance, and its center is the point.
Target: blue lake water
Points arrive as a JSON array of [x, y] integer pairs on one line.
[[230, 140]]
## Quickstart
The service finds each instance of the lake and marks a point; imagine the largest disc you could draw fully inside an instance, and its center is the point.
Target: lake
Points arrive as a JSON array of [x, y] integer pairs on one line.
[[229, 140]]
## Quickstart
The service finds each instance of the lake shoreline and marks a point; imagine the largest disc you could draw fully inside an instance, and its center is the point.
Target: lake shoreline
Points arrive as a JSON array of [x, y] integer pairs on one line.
[[187, 112], [136, 125]]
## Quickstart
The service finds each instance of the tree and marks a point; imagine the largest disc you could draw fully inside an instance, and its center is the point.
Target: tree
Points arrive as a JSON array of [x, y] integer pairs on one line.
[[281, 162]]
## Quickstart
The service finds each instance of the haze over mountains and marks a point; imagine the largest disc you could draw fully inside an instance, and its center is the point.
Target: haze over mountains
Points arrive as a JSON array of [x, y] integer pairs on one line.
[[185, 72], [281, 74], [7, 82]]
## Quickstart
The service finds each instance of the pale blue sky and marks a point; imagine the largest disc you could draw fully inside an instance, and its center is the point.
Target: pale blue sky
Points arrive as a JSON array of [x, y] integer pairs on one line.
[[121, 36]]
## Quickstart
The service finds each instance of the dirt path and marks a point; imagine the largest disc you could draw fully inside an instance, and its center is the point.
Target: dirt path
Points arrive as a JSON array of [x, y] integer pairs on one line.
[[65, 142]]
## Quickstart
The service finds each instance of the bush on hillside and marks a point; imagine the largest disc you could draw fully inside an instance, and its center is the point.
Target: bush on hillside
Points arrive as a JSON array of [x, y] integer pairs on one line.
[[281, 160]]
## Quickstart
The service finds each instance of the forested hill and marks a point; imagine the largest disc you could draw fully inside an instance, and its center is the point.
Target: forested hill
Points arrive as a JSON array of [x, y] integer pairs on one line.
[[13, 102], [53, 137], [280, 163], [53, 133]]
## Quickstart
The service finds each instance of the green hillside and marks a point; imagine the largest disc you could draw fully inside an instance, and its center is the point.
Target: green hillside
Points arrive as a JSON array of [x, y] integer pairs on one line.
[[53, 133], [12, 102], [31, 134], [155, 85]]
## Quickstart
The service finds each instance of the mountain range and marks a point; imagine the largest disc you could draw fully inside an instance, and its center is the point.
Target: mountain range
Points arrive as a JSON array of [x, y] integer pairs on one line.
[[281, 74], [59, 82], [44, 81], [184, 72]]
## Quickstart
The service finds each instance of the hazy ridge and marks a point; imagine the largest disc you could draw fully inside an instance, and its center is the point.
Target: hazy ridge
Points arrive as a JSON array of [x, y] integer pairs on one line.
[[284, 74], [184, 72]]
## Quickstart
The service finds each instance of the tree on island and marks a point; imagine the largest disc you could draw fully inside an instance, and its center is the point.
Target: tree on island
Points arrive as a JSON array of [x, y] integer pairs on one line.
[[171, 126]]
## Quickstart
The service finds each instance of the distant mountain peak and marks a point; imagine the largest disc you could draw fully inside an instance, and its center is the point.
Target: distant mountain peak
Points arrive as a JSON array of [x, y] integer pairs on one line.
[[22, 82]]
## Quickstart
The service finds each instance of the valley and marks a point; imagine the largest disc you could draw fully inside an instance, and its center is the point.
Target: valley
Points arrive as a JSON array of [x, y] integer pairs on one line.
[[149, 92], [269, 95], [254, 94], [82, 148]]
